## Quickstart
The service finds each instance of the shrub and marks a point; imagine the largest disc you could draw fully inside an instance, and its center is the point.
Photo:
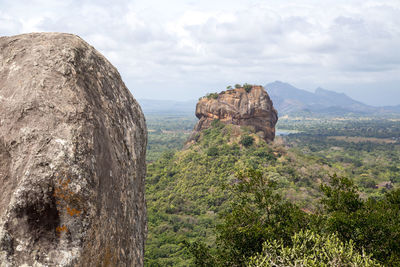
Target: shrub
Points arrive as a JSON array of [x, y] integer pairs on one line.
[[212, 151], [217, 124], [311, 249], [237, 86], [247, 87], [247, 140], [212, 95], [368, 182]]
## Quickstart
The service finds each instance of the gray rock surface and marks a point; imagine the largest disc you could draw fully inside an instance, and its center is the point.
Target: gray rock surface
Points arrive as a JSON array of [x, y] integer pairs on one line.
[[72, 157], [238, 107]]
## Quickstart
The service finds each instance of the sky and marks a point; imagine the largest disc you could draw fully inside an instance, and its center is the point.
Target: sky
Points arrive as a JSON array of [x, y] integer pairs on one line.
[[181, 50]]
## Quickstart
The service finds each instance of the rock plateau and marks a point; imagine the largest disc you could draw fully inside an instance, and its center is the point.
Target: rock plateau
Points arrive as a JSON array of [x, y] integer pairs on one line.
[[251, 107], [72, 157]]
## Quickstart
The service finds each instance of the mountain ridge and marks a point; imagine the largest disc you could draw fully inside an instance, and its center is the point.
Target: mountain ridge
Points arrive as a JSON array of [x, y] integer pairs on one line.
[[287, 99]]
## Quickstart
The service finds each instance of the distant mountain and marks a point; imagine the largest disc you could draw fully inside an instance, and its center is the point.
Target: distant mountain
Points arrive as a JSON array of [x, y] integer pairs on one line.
[[394, 109], [288, 99], [167, 107]]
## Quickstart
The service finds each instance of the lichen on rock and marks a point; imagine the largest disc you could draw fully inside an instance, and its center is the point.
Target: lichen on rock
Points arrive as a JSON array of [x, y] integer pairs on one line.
[[72, 156]]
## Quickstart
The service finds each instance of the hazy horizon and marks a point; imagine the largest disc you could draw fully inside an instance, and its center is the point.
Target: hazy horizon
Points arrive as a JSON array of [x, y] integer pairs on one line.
[[183, 49], [309, 90]]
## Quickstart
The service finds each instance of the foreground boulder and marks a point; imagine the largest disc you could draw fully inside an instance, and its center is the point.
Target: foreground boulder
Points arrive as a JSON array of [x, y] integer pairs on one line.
[[72, 157], [249, 107]]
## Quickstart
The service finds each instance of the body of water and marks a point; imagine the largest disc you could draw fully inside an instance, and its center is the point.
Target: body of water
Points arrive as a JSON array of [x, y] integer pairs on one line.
[[284, 132]]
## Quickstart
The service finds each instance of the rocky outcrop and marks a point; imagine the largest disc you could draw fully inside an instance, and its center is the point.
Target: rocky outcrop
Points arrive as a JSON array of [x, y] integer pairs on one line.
[[251, 107], [72, 157]]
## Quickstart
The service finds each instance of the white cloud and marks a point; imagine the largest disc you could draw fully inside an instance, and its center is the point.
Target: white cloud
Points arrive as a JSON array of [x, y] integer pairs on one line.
[[187, 47]]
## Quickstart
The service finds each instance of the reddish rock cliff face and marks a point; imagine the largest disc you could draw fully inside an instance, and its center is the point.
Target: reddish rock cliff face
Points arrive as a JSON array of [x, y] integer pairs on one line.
[[238, 107]]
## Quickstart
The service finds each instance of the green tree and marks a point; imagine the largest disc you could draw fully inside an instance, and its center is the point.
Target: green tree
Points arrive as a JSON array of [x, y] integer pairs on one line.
[[372, 224], [247, 87], [257, 214], [212, 95], [212, 151], [311, 249], [247, 140], [341, 195]]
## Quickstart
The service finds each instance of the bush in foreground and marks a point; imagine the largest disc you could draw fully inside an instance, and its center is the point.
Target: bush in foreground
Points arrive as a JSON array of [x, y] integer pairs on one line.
[[311, 249]]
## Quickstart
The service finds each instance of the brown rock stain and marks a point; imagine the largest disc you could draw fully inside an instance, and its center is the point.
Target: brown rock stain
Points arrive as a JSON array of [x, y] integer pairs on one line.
[[73, 212], [66, 197], [61, 229]]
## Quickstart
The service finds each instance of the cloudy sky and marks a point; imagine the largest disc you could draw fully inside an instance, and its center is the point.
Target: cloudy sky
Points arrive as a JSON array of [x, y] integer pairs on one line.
[[179, 49]]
